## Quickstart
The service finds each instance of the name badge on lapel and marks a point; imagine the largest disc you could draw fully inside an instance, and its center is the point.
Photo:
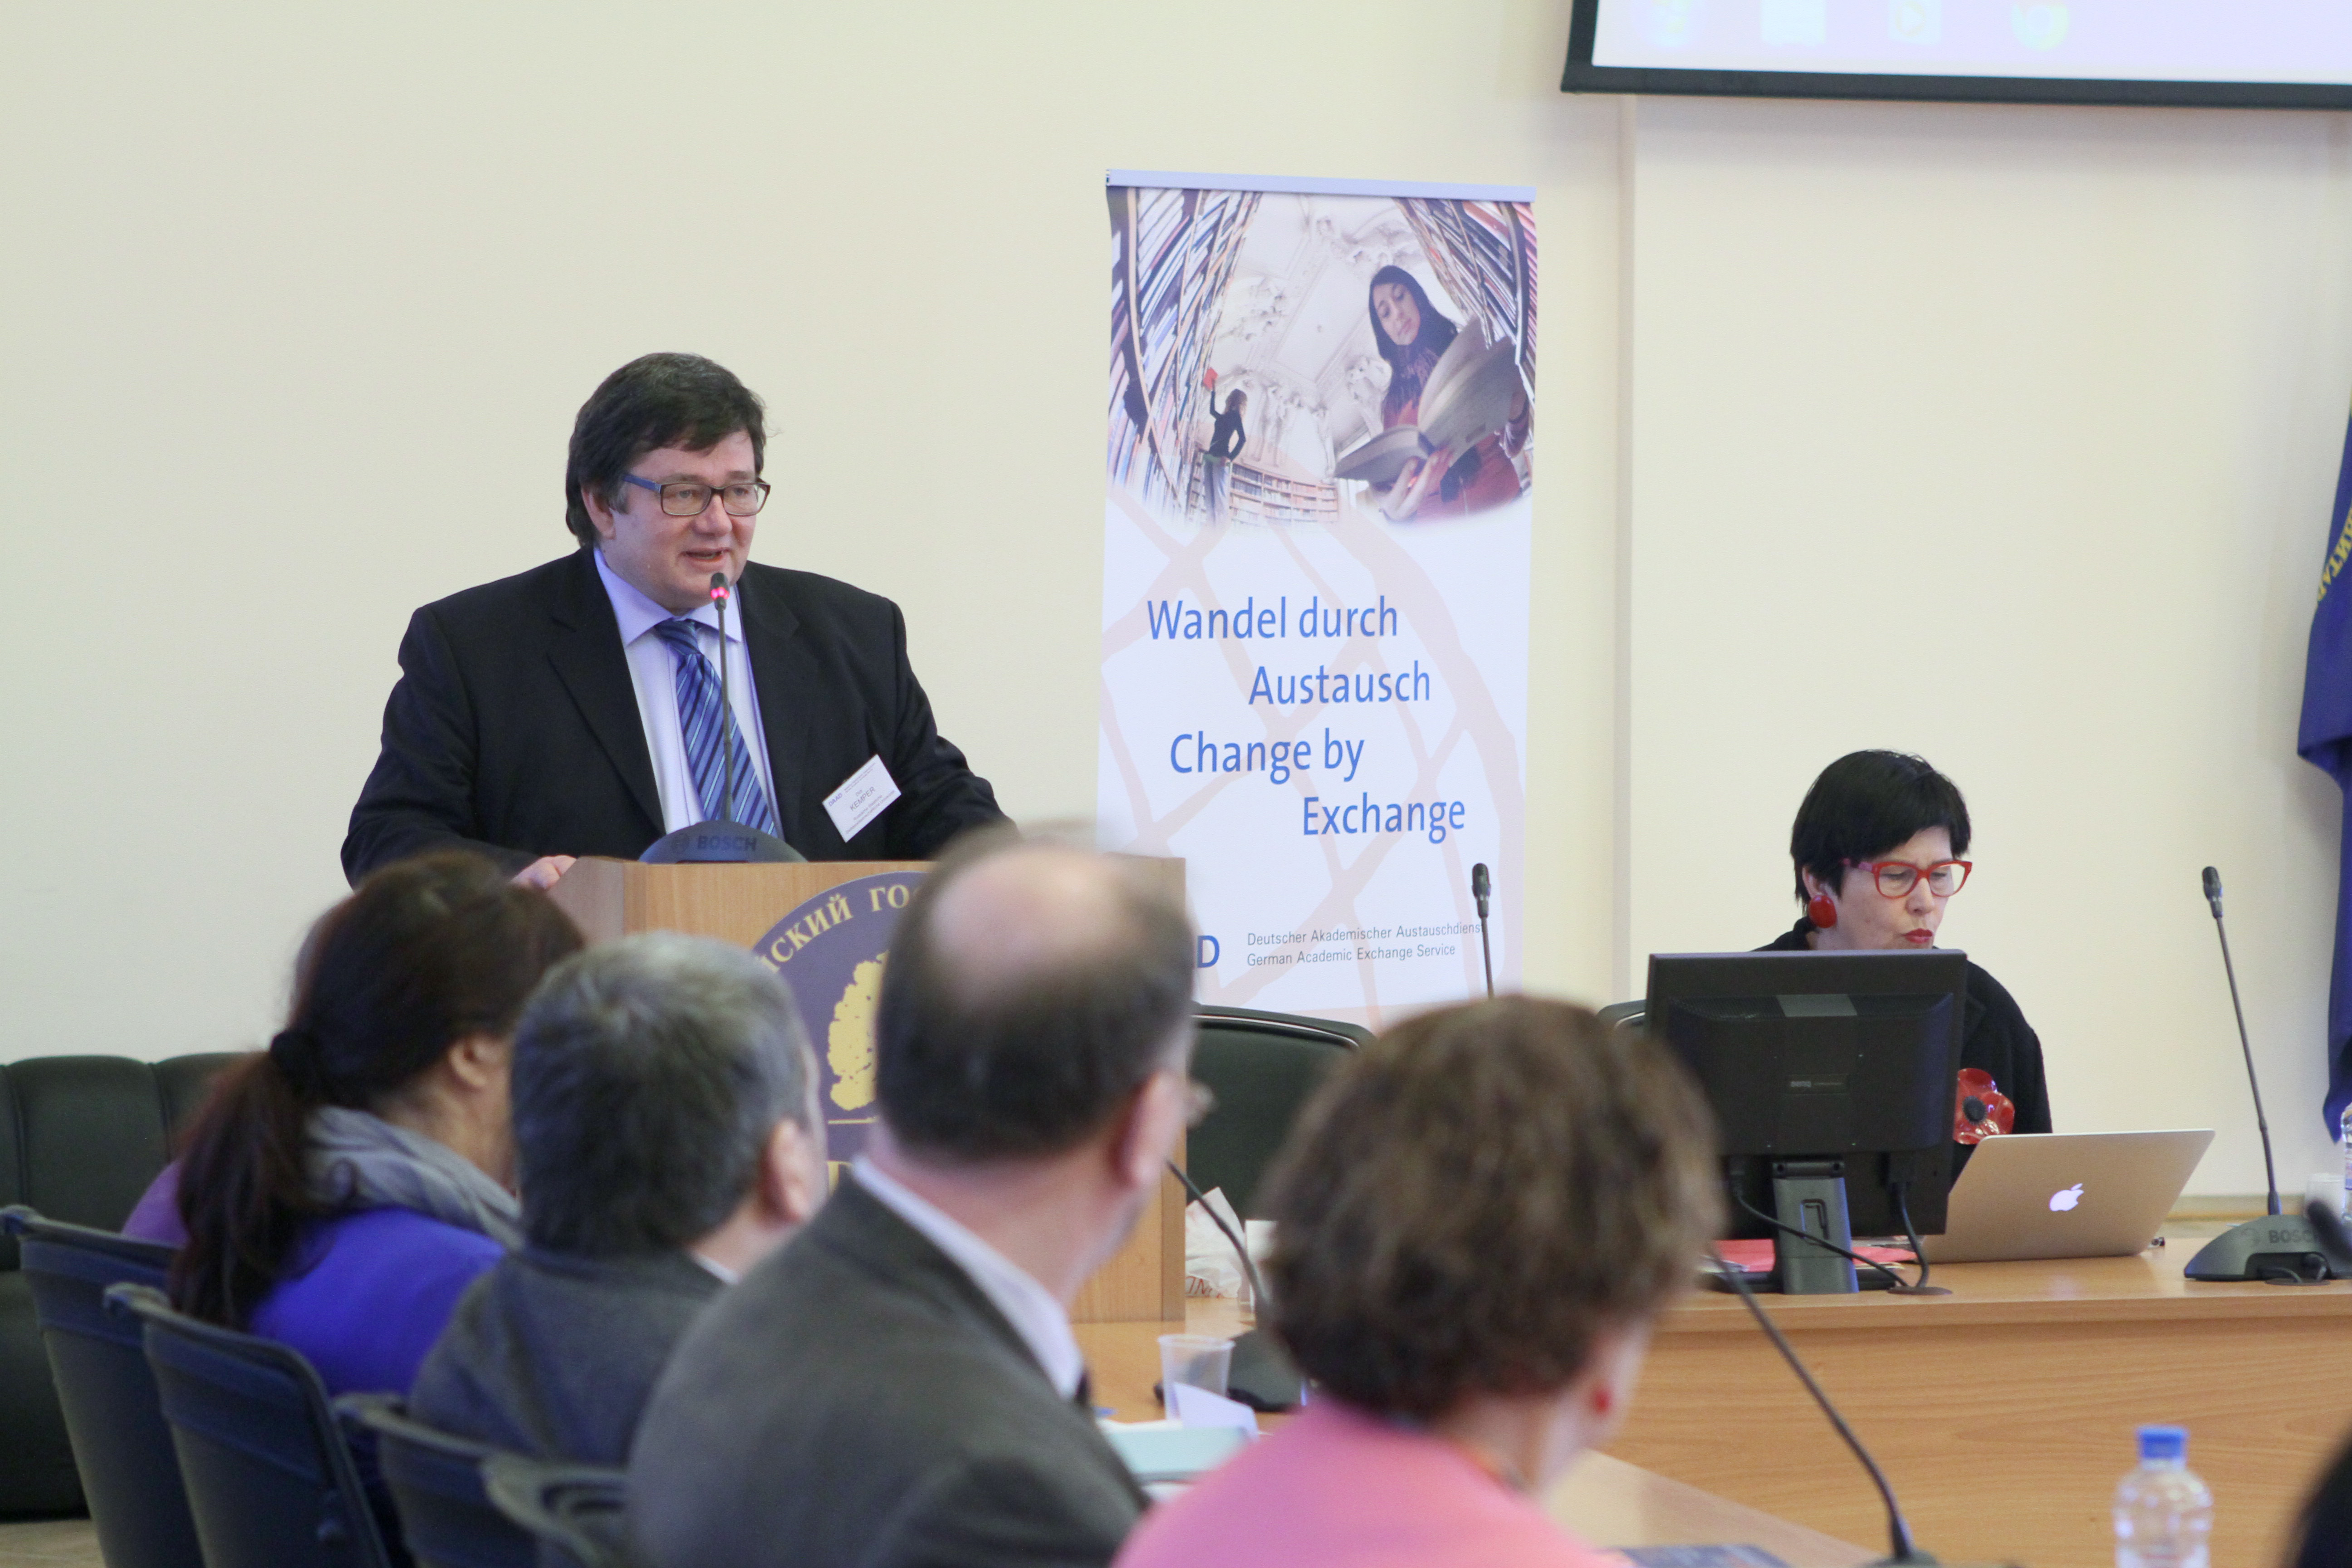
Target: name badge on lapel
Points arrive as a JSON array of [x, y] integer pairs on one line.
[[861, 798]]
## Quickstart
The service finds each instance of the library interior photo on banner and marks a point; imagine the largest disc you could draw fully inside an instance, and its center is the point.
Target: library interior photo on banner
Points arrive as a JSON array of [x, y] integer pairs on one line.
[[1281, 358]]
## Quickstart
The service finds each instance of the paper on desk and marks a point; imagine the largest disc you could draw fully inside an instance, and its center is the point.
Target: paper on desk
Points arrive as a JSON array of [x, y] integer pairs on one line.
[[1692, 1557], [1755, 1256], [1198, 1407], [1160, 1452]]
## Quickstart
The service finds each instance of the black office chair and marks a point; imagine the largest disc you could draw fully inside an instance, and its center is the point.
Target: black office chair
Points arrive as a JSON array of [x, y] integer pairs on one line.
[[577, 1508], [270, 1482], [1261, 1067], [122, 1444], [1625, 1015], [446, 1518]]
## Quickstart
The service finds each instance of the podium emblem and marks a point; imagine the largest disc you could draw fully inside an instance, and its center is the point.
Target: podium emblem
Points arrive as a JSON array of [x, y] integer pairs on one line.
[[832, 951]]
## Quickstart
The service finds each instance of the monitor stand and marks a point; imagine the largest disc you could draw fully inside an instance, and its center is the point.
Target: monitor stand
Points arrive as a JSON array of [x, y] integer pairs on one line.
[[1809, 1195]]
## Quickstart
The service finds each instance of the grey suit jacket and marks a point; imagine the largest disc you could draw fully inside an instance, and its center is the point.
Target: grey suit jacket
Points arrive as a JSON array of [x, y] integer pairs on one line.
[[556, 1356], [856, 1400]]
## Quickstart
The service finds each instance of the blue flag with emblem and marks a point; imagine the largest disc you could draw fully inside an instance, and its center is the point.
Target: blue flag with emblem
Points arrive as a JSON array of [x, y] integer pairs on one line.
[[2324, 740]]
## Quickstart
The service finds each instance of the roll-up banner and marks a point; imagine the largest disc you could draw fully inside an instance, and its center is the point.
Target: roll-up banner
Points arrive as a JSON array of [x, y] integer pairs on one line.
[[1315, 576]]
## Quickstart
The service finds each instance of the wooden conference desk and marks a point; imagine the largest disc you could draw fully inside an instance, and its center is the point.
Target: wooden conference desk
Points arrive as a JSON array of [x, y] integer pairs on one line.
[[1604, 1500], [2003, 1413]]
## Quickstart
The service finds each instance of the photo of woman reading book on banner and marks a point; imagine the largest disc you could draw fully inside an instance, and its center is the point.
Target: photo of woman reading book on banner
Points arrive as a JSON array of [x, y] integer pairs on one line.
[[1382, 348], [1472, 381]]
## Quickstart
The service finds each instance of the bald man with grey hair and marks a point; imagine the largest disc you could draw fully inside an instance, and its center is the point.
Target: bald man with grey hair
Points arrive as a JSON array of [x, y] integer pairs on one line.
[[667, 1138], [1033, 1044]]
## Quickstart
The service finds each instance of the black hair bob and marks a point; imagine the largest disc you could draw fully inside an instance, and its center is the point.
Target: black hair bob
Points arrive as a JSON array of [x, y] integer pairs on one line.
[[1866, 803]]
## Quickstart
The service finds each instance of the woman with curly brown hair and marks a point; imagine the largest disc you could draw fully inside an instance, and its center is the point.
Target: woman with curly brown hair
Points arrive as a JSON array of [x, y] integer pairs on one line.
[[1475, 1225]]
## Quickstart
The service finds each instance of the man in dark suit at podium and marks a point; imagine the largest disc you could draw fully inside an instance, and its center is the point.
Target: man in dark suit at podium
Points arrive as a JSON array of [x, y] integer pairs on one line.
[[577, 709]]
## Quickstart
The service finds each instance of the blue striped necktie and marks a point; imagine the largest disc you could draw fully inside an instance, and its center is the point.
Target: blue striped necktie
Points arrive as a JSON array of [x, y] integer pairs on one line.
[[706, 724]]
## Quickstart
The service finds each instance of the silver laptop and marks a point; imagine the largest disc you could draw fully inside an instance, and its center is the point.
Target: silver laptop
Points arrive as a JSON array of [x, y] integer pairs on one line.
[[2065, 1195]]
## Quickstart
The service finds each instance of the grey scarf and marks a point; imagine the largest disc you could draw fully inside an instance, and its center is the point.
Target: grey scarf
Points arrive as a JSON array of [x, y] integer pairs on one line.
[[363, 1161]]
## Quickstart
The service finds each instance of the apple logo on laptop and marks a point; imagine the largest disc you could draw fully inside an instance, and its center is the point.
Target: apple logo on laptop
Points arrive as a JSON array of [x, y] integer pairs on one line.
[[2060, 1202]]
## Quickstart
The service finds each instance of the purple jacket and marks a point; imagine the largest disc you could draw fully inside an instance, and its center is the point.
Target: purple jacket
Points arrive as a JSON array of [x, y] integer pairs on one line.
[[365, 1295]]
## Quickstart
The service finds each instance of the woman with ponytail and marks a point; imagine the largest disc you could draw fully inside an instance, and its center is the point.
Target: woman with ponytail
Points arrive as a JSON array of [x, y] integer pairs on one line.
[[340, 1190]]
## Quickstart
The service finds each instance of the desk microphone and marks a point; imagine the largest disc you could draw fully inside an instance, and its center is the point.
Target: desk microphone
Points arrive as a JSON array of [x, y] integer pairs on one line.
[[718, 837], [2335, 1245], [1480, 889], [2282, 1250], [720, 595], [1260, 1375], [1902, 1550], [2262, 1122]]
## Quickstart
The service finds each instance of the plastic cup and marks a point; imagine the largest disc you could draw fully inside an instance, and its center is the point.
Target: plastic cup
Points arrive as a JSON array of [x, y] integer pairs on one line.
[[1201, 1360]]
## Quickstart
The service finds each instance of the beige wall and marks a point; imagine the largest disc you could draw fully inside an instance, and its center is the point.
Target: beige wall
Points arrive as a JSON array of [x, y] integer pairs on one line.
[[2006, 436], [321, 288]]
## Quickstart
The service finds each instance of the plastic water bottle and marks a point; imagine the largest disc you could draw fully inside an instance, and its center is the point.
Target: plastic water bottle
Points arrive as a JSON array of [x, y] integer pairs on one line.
[[2344, 1206], [2163, 1512]]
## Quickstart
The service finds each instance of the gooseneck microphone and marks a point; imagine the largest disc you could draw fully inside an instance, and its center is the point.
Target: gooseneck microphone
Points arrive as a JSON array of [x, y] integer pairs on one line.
[[1898, 1532], [1261, 1376], [1480, 889], [2213, 897], [2284, 1249], [720, 595], [719, 837]]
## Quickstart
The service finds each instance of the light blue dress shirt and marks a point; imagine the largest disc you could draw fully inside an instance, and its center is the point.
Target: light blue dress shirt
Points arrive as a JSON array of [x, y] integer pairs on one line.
[[655, 676]]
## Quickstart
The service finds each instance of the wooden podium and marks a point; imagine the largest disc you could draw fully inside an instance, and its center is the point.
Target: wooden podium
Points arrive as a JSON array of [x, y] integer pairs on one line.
[[741, 903]]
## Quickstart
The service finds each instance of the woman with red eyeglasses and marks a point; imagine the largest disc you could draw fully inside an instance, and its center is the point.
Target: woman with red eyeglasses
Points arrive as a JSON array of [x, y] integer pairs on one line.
[[1877, 846]]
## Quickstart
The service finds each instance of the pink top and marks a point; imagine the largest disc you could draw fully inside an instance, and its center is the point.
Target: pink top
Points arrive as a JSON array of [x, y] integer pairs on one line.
[[1335, 1486]]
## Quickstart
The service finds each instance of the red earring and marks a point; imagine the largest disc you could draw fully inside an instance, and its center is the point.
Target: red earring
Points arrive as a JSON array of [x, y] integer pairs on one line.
[[1820, 912]]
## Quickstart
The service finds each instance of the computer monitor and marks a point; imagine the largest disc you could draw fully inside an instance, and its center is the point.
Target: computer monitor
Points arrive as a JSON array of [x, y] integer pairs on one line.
[[1821, 1065]]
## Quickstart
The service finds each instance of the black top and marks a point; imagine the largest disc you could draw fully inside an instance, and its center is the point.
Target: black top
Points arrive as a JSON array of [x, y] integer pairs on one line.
[[857, 1402], [514, 729], [1995, 1037], [1226, 441]]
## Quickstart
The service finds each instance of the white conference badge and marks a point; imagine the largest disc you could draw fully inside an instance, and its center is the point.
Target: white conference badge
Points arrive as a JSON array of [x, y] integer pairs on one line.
[[861, 797]]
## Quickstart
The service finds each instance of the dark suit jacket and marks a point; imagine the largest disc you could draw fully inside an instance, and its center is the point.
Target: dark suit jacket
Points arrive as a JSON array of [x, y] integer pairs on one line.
[[856, 1400], [556, 1356], [514, 729]]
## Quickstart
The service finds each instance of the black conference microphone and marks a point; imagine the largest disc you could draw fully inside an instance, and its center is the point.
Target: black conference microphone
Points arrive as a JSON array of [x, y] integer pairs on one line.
[[2282, 1250], [2327, 1230], [1901, 1550], [720, 591], [2262, 1122], [1480, 889], [1260, 1374], [720, 838]]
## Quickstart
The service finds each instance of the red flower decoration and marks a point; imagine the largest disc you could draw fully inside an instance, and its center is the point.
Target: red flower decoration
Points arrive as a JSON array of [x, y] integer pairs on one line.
[[1995, 1113]]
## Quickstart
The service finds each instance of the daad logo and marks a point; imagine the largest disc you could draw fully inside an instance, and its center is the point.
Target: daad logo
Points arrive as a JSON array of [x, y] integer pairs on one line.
[[2062, 1201]]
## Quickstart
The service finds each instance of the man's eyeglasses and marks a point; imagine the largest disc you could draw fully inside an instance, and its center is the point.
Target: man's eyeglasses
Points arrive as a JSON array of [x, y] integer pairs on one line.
[[689, 497], [1895, 879]]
